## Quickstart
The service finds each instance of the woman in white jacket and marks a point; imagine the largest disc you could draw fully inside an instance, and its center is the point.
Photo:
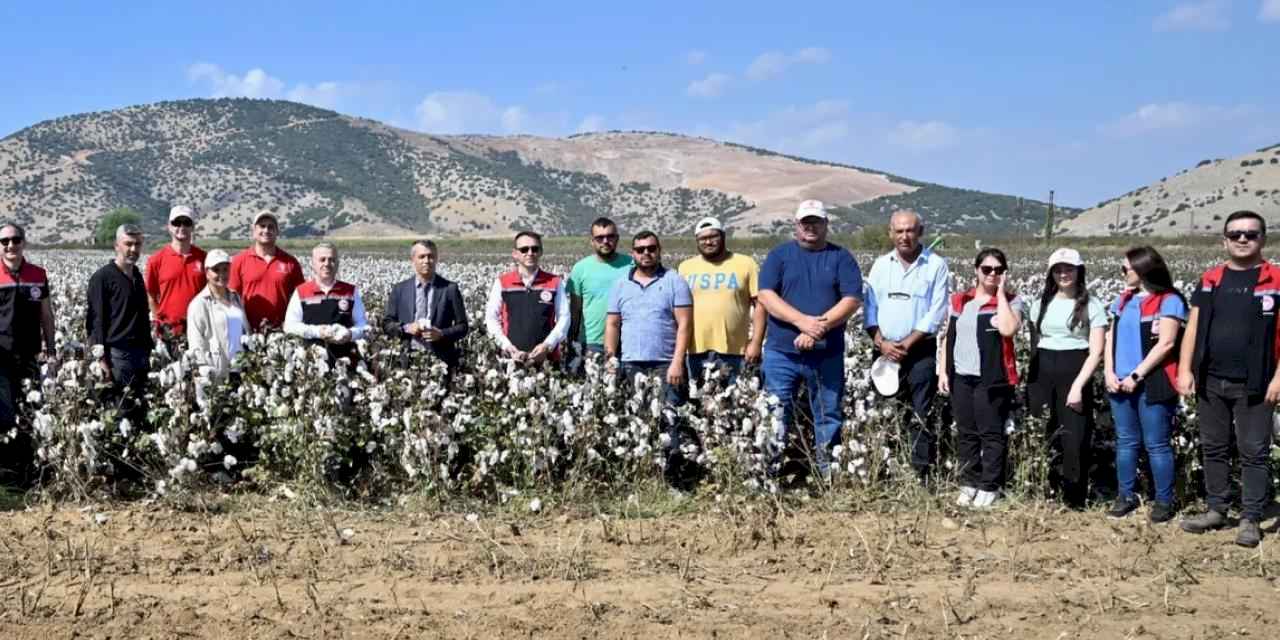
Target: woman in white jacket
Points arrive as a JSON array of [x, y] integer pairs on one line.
[[215, 318]]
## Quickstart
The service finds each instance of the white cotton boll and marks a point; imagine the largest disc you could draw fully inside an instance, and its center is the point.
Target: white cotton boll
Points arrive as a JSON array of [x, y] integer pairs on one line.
[[473, 518], [98, 351], [33, 397], [535, 505], [125, 427], [229, 461], [1010, 426]]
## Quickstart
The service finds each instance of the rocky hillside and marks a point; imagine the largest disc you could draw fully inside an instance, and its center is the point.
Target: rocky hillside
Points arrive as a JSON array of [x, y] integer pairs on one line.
[[324, 173], [1195, 200]]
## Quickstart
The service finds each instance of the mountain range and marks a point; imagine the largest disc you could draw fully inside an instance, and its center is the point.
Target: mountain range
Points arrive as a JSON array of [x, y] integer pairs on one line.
[[327, 174]]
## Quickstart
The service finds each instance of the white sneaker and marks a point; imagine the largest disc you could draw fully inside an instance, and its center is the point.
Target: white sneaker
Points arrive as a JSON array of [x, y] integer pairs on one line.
[[966, 496], [985, 499]]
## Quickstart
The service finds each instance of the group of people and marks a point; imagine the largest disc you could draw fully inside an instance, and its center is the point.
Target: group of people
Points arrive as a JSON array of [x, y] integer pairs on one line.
[[714, 313], [1154, 346]]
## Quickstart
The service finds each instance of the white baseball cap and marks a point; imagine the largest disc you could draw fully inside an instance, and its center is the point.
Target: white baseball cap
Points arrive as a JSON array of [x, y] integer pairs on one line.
[[1066, 256], [884, 376], [811, 209], [215, 258], [265, 214], [707, 224], [182, 211]]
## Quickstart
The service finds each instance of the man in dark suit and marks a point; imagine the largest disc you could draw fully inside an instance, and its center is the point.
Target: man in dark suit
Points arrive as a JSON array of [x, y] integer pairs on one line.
[[426, 311]]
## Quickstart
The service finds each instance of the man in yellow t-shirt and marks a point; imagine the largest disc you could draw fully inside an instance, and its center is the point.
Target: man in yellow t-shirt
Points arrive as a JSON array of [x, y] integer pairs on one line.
[[728, 325]]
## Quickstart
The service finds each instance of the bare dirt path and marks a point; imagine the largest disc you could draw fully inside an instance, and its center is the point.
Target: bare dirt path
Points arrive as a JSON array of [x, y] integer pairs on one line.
[[263, 570]]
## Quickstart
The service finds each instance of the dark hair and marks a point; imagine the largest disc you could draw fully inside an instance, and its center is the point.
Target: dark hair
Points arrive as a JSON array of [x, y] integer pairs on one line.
[[1245, 214], [528, 234], [990, 252], [429, 245], [22, 233], [645, 235], [602, 222], [1150, 267], [1080, 314]]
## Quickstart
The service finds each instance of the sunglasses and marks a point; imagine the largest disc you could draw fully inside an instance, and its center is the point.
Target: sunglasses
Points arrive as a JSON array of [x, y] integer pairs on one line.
[[14, 240], [1236, 236], [530, 249], [987, 270], [182, 222], [648, 248], [1125, 269], [610, 237]]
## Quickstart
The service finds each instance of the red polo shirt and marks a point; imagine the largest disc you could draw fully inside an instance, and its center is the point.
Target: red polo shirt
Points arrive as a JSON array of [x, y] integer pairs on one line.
[[265, 286], [173, 280]]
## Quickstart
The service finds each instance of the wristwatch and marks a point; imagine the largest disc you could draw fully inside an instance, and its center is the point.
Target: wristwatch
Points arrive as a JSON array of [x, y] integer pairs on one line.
[[1135, 376]]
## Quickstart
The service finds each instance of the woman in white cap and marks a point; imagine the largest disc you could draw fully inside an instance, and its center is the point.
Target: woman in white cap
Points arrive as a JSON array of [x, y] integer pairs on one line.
[[215, 317], [1068, 333]]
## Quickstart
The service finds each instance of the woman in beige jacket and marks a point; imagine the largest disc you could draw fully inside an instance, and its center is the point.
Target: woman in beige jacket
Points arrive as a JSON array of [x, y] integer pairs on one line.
[[215, 318]]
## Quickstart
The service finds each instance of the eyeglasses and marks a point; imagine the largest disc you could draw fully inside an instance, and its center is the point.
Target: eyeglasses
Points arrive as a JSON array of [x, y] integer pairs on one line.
[[1125, 269], [1249, 235], [608, 237], [14, 240], [182, 222], [987, 270], [533, 248], [648, 248]]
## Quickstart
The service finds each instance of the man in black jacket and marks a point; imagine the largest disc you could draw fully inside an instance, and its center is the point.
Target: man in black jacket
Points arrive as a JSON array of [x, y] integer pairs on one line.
[[118, 324], [426, 311]]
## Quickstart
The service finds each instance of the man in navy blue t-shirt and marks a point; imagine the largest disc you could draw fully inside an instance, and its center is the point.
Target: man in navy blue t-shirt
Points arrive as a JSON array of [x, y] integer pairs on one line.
[[810, 288]]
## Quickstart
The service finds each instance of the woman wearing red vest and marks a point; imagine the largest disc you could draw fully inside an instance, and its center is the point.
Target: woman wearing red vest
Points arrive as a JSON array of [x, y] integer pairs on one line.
[[978, 369], [1141, 373]]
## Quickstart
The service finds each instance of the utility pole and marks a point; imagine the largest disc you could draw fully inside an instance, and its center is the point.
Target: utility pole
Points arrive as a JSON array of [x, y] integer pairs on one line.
[[1193, 221], [1048, 221], [1116, 228]]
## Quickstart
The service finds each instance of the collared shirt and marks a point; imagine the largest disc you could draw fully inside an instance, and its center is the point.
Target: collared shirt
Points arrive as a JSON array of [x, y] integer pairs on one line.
[[648, 314], [173, 280], [265, 285], [332, 303], [493, 313], [905, 298], [22, 297]]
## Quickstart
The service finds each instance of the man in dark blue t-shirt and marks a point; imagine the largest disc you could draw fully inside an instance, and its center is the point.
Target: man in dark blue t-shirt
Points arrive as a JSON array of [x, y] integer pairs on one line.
[[810, 288]]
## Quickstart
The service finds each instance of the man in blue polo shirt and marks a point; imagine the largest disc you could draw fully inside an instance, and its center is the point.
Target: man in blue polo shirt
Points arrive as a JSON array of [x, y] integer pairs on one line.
[[650, 315], [810, 288]]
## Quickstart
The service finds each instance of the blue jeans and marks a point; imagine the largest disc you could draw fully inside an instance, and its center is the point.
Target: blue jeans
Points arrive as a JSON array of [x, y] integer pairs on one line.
[[1143, 424], [699, 362], [823, 377]]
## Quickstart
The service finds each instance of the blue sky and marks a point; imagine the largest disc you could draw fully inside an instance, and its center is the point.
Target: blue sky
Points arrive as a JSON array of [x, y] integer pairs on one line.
[[1090, 99]]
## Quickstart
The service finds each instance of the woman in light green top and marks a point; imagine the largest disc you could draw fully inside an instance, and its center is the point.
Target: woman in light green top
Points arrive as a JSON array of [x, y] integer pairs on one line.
[[1068, 329]]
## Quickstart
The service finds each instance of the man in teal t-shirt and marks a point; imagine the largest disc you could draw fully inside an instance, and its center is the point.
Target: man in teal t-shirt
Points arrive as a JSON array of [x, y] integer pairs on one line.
[[590, 281]]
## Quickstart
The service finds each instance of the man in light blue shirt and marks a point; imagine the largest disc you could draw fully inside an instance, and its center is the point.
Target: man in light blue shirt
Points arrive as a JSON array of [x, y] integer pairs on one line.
[[648, 324], [906, 304]]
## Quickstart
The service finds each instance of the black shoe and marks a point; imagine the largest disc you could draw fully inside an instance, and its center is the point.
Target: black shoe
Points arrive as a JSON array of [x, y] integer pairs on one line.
[[1122, 507], [1250, 534], [1206, 521], [1162, 512]]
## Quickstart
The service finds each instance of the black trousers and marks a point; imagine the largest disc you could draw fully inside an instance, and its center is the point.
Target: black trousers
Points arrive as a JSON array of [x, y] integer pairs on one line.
[[981, 443], [129, 370], [917, 390], [1067, 430], [1225, 404], [17, 457]]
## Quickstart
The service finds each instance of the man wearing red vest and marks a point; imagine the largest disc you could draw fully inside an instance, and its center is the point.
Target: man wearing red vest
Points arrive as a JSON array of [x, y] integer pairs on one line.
[[265, 275], [26, 341], [325, 310], [1228, 360], [175, 274], [527, 312]]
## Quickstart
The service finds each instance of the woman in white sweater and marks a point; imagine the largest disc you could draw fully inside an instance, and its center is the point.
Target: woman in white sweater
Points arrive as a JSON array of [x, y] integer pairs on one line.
[[215, 318]]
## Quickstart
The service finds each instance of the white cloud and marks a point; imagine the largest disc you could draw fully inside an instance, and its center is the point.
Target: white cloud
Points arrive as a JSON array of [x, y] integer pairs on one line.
[[591, 123], [695, 57], [708, 87], [257, 83], [795, 128], [1205, 15], [1166, 116], [773, 63], [471, 112], [923, 136], [1270, 11]]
